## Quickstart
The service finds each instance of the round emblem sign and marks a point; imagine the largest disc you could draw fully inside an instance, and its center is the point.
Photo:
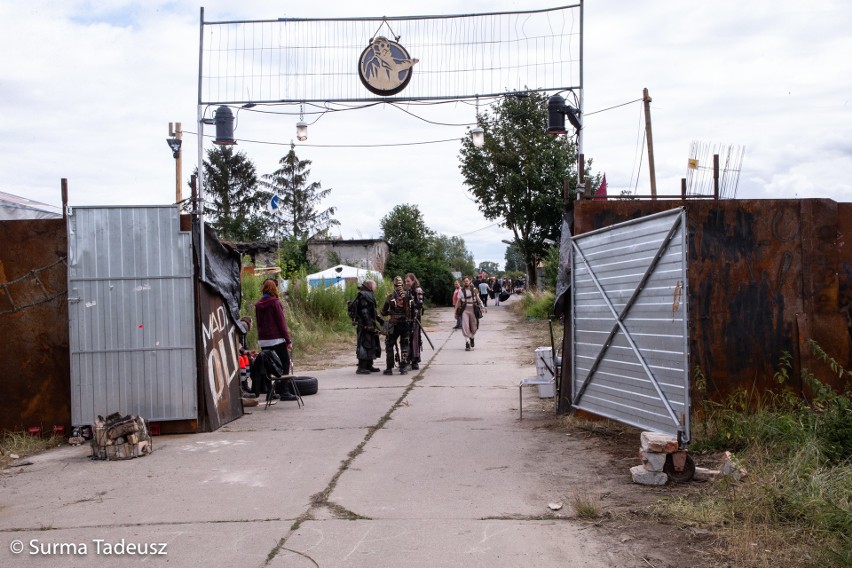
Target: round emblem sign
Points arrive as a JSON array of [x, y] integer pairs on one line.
[[385, 67]]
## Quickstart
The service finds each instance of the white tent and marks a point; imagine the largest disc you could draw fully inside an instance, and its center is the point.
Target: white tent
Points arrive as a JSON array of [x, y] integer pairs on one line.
[[341, 274], [13, 207]]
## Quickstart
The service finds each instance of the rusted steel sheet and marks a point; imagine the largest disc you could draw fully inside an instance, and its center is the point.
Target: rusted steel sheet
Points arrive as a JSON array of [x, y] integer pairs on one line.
[[763, 279], [34, 383], [844, 259]]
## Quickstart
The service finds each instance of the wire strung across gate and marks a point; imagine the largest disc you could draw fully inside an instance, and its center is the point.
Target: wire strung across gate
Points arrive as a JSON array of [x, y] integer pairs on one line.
[[33, 277], [460, 57]]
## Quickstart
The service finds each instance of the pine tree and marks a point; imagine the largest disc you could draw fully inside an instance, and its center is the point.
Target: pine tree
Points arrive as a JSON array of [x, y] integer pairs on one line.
[[299, 215], [233, 204]]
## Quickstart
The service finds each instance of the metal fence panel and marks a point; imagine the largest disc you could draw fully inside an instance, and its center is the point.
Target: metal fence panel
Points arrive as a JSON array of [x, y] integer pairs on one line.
[[629, 326], [132, 337]]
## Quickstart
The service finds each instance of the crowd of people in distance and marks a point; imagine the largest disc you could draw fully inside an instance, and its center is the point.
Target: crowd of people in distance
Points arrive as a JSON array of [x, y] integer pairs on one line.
[[403, 309], [399, 319]]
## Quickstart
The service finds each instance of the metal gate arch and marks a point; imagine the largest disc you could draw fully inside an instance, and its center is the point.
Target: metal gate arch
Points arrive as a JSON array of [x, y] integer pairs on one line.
[[629, 323]]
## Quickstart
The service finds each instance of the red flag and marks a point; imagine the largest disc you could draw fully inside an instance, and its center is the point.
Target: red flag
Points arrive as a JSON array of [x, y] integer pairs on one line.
[[601, 192]]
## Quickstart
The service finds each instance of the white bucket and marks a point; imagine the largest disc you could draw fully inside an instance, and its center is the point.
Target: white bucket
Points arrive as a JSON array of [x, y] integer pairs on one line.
[[543, 367]]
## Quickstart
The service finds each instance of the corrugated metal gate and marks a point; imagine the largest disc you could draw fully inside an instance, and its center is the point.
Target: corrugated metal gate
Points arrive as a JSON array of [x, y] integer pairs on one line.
[[130, 294], [629, 326]]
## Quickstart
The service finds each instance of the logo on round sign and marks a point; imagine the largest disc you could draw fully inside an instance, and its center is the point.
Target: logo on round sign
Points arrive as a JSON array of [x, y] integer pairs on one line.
[[385, 67]]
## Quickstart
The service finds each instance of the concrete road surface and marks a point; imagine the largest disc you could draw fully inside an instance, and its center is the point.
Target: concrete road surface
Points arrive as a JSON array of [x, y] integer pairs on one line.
[[428, 469]]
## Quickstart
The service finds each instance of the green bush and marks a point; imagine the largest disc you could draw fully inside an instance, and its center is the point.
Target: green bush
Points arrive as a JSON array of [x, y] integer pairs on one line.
[[798, 453], [551, 268], [316, 317], [537, 305], [434, 275]]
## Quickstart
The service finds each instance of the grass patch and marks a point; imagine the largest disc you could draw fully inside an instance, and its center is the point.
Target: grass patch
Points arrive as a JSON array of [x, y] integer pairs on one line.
[[795, 506], [316, 317], [586, 504], [341, 512], [537, 305], [23, 445], [318, 320]]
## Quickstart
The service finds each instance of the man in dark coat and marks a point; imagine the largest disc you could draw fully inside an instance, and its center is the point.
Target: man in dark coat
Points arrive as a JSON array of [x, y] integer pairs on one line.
[[368, 346], [397, 308]]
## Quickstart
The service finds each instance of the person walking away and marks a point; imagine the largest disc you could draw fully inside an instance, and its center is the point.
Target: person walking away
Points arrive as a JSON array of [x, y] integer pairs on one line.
[[272, 331], [468, 297], [367, 346], [484, 288], [457, 284], [398, 310], [416, 295], [497, 288]]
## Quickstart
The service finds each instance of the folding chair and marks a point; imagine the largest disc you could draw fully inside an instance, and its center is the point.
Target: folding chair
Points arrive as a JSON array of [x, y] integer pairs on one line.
[[291, 379]]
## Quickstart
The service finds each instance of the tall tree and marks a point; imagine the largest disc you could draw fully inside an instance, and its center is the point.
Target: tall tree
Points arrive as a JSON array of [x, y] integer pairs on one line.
[[233, 204], [514, 259], [299, 199], [454, 252], [489, 267], [404, 229], [414, 247], [517, 175]]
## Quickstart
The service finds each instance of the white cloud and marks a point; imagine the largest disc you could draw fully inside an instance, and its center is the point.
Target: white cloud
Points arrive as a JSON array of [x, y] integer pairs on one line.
[[90, 86]]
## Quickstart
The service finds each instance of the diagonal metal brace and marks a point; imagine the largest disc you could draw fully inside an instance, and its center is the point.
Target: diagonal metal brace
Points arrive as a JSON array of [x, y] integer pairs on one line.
[[619, 319]]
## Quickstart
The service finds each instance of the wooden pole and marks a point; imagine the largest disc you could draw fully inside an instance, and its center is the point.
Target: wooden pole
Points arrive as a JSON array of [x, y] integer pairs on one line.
[[64, 185], [683, 188], [647, 100], [716, 176], [176, 132], [193, 188]]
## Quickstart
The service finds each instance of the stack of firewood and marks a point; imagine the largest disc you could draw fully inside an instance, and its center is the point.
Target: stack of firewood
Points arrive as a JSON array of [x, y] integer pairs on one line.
[[118, 437]]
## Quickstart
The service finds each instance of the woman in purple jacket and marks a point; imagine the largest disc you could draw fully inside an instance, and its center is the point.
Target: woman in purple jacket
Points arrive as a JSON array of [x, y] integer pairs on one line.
[[272, 330]]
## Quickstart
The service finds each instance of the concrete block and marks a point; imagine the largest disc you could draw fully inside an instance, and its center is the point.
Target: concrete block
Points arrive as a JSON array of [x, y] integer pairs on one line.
[[658, 443], [731, 467], [705, 474], [643, 476], [651, 460]]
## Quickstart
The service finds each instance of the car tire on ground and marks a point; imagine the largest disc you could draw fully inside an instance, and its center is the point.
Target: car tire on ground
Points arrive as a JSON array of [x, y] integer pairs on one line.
[[307, 385]]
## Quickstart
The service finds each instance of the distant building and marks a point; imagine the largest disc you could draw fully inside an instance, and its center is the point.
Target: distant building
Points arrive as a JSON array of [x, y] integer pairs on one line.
[[261, 253], [369, 254]]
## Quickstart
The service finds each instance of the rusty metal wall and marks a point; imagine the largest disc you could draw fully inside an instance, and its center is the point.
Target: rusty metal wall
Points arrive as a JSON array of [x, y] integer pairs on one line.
[[764, 277], [844, 259], [34, 387]]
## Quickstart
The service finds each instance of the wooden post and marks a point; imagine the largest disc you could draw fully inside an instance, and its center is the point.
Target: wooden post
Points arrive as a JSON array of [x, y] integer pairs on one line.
[[64, 185], [683, 188], [176, 132], [716, 176], [581, 177], [647, 100]]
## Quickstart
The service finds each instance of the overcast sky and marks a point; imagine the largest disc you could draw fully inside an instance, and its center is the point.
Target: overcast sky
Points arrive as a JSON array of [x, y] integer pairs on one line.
[[89, 89]]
